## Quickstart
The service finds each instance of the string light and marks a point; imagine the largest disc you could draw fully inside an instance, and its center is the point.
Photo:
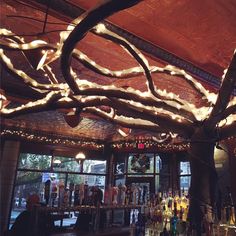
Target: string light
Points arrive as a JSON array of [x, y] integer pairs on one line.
[[161, 108], [50, 139], [150, 144], [132, 144]]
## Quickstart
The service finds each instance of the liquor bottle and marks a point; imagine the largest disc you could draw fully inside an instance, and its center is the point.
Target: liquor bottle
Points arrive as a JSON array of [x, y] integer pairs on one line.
[[232, 216], [139, 195], [128, 197], [170, 200], [173, 223], [228, 205], [185, 214], [144, 197], [184, 204], [181, 212], [167, 214], [165, 231]]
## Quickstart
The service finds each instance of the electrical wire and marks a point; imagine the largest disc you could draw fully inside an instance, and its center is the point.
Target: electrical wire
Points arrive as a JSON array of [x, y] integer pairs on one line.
[[48, 32], [41, 21]]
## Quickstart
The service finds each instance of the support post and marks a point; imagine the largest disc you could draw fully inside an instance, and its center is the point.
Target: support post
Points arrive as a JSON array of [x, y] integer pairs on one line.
[[7, 176]]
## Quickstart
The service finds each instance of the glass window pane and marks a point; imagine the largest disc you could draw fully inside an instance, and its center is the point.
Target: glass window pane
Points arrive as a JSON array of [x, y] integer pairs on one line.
[[94, 180], [26, 183], [185, 168], [120, 167], [141, 163], [165, 166], [66, 164], [158, 164], [34, 161], [75, 179], [140, 175], [119, 180], [29, 182], [185, 182], [94, 166], [157, 183], [164, 182]]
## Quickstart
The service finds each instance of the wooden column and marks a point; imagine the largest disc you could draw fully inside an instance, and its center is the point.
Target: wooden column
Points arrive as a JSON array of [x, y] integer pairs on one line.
[[7, 175], [107, 153], [231, 145], [174, 173]]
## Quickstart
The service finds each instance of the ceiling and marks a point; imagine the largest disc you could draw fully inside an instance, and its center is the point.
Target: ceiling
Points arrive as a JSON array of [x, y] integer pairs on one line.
[[198, 36]]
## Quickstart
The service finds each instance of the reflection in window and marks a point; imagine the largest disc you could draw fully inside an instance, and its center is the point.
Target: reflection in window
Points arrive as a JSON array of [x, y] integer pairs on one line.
[[119, 180], [94, 180], [27, 183], [158, 164], [120, 167], [141, 163], [75, 179], [34, 170], [164, 182], [157, 183], [185, 182], [94, 166], [65, 164], [185, 168], [34, 161], [185, 175]]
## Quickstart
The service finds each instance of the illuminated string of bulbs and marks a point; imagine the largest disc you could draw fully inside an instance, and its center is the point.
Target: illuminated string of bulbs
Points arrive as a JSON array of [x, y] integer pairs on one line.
[[65, 48], [46, 139], [152, 144], [169, 69], [88, 144], [147, 141]]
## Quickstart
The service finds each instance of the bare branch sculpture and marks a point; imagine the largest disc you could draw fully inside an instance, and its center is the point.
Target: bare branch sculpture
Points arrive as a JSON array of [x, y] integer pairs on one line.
[[154, 110]]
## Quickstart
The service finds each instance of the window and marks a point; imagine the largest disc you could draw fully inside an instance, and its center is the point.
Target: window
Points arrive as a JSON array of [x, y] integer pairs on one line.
[[34, 170], [66, 164], [143, 166], [185, 182], [158, 164], [94, 166], [120, 167], [185, 176], [34, 161], [141, 163], [185, 168]]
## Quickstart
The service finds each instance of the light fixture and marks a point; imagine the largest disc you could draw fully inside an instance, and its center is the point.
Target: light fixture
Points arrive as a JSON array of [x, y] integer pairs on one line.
[[38, 59], [57, 161], [80, 156], [124, 132], [162, 137], [3, 100], [73, 117]]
